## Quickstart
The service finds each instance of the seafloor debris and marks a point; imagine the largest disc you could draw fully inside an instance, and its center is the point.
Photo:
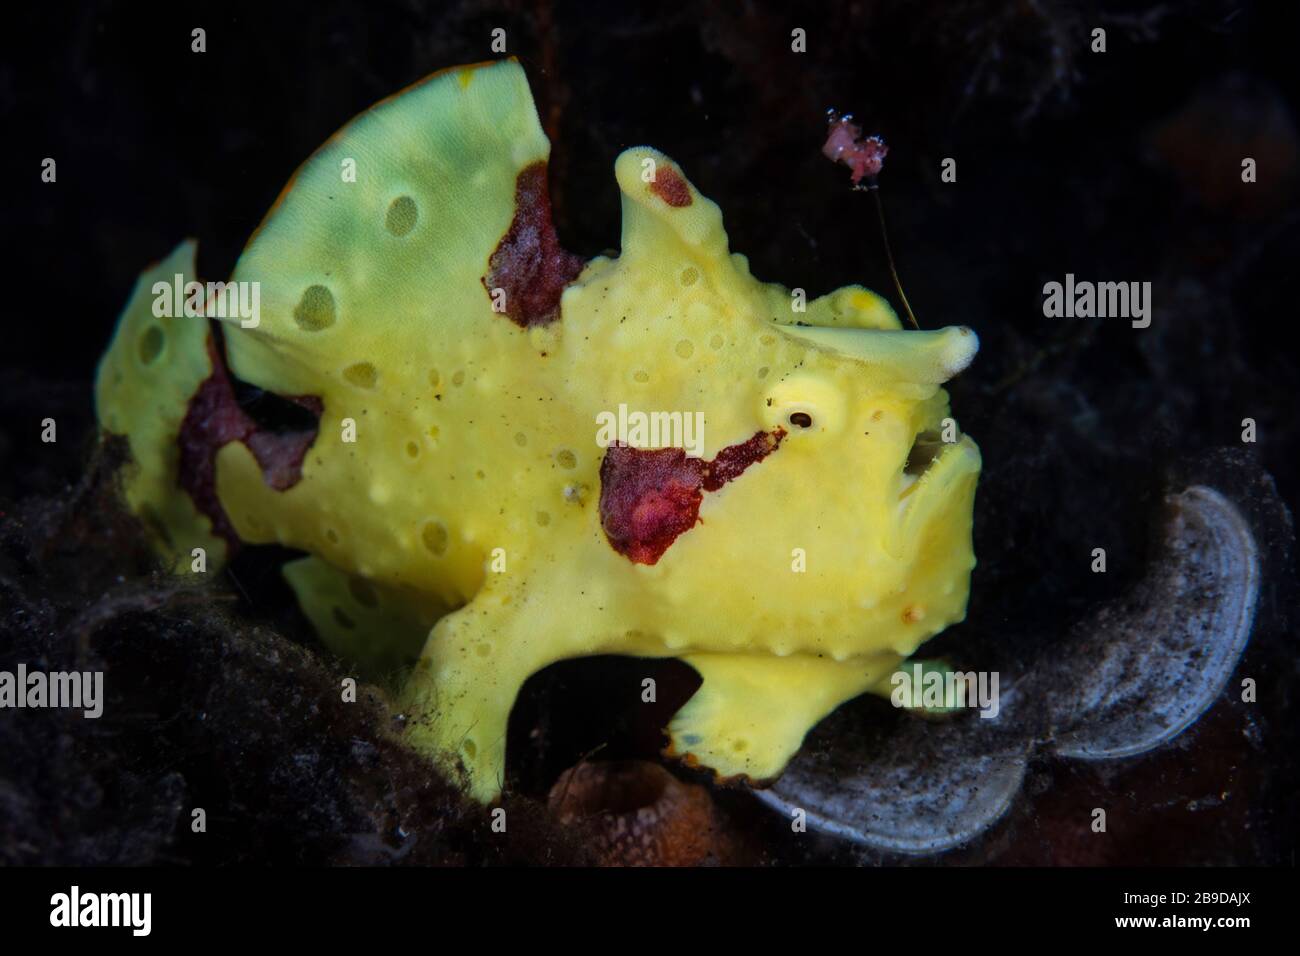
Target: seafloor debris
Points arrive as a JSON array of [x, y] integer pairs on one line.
[[639, 814]]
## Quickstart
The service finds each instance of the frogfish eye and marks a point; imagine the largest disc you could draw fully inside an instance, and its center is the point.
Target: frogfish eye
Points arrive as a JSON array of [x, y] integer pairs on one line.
[[801, 419]]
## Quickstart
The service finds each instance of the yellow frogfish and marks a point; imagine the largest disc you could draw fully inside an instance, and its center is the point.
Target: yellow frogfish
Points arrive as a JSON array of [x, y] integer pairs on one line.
[[495, 455]]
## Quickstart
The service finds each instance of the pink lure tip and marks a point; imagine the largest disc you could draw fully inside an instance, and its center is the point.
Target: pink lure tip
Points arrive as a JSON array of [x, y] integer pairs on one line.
[[845, 144]]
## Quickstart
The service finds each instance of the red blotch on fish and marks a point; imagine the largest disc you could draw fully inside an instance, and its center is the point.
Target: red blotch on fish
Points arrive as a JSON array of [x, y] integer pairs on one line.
[[648, 497], [529, 264], [734, 459], [213, 419], [845, 144], [669, 186]]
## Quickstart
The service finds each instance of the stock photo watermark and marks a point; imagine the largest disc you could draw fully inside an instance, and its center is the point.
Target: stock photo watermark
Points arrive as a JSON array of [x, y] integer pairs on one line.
[[638, 429], [68, 690], [211, 300], [934, 689]]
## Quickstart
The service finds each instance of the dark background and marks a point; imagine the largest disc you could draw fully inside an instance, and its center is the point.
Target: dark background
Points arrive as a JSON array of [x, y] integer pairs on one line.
[[1116, 166]]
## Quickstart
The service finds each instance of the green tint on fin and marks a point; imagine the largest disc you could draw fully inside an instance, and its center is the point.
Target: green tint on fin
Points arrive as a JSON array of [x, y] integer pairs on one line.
[[387, 230], [143, 387], [379, 629]]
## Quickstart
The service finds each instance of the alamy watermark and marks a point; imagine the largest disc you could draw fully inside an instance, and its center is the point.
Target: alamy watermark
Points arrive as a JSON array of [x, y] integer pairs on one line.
[[1098, 300], [75, 908], [638, 429], [211, 300], [74, 690], [945, 690]]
